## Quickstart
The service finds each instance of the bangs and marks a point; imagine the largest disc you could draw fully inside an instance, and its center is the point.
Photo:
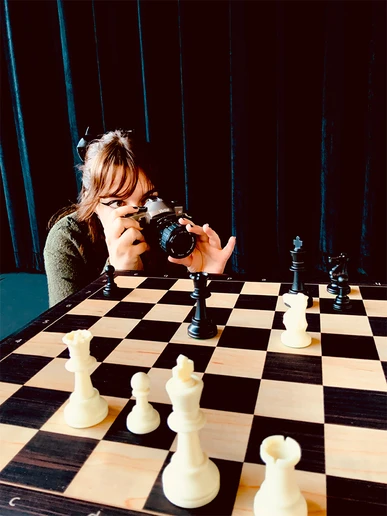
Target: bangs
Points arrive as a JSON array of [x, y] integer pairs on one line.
[[118, 182]]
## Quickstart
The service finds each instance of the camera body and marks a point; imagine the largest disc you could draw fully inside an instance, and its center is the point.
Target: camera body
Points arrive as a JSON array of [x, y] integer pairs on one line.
[[160, 222]]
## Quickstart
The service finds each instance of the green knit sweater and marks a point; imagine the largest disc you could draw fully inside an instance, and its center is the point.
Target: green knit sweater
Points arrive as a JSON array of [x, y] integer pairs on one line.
[[71, 259]]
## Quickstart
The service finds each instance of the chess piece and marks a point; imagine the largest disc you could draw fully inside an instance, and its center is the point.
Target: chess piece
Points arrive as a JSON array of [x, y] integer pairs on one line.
[[86, 407], [339, 266], [298, 268], [342, 303], [279, 494], [191, 479], [294, 320], [201, 326], [111, 286], [143, 418]]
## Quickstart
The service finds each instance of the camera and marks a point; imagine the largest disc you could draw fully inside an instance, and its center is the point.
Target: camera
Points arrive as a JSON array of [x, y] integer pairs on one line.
[[160, 221]]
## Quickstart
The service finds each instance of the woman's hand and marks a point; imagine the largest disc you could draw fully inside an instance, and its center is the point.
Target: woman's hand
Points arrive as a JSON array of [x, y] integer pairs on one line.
[[208, 255], [121, 234]]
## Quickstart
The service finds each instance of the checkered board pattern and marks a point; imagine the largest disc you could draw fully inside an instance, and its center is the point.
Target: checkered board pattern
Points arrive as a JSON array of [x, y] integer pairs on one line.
[[330, 397]]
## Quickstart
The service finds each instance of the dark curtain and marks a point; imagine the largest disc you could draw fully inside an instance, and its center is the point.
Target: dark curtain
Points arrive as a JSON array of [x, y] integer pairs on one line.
[[268, 119]]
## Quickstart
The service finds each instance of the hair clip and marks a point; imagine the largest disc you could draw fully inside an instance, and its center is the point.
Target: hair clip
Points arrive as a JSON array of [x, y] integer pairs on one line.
[[84, 143]]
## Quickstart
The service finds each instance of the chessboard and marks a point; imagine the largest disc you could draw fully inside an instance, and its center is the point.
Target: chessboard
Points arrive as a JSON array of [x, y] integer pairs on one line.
[[330, 397]]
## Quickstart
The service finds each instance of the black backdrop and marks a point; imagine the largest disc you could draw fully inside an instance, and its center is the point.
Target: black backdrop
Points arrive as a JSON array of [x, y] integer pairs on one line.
[[268, 119]]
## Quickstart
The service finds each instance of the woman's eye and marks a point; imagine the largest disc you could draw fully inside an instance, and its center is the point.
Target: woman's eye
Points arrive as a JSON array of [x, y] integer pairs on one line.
[[117, 203]]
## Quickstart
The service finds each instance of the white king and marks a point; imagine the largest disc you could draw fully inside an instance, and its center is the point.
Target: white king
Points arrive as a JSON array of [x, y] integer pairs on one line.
[[190, 480]]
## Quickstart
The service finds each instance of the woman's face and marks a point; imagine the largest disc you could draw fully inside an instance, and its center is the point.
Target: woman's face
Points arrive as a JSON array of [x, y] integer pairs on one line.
[[141, 193]]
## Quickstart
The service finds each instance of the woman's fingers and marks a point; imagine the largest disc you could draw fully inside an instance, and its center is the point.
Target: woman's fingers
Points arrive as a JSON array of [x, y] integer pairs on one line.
[[131, 235], [120, 225], [123, 211], [181, 261], [213, 237], [229, 247]]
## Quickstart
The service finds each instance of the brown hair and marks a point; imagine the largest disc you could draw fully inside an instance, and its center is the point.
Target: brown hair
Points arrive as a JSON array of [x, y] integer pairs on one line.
[[104, 155]]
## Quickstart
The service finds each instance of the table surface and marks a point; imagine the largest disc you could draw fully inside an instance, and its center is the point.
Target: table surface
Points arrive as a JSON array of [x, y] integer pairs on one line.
[[330, 397]]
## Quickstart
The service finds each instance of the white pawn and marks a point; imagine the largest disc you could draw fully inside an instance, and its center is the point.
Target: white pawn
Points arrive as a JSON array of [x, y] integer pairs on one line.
[[86, 407], [143, 418], [191, 479], [279, 494], [295, 321]]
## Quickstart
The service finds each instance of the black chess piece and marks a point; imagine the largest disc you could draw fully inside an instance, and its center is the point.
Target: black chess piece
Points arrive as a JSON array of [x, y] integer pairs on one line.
[[342, 302], [298, 268], [339, 266], [111, 287], [201, 326]]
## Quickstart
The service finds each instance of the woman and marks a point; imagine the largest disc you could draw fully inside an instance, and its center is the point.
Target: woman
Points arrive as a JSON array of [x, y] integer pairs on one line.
[[118, 177]]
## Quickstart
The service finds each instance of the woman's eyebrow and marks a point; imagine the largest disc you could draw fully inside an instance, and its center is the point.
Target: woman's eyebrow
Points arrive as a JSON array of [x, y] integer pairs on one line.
[[148, 193]]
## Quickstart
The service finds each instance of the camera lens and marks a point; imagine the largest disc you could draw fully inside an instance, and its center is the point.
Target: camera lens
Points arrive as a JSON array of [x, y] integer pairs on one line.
[[176, 241]]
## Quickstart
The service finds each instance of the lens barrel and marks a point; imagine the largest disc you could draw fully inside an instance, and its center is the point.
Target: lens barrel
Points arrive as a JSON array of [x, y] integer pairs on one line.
[[175, 240]]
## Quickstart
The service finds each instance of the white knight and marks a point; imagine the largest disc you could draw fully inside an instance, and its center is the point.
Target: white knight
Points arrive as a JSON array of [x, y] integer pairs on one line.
[[295, 321]]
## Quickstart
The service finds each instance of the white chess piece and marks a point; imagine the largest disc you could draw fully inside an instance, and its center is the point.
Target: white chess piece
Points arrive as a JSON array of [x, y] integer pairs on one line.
[[86, 407], [143, 418], [191, 479], [295, 321], [279, 494]]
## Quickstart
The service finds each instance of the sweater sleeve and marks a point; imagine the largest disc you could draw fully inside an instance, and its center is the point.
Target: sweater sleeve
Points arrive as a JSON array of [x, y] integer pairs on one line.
[[64, 263]]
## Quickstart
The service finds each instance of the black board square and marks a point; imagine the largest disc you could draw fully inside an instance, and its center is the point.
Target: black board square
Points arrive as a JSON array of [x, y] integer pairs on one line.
[[114, 379], [355, 407], [117, 295], [384, 367], [355, 497], [310, 437], [357, 307], [200, 355], [226, 287], [21, 368], [129, 310], [287, 367], [256, 302], [158, 283], [222, 505], [313, 321], [378, 326], [177, 297], [244, 338], [219, 316], [49, 461], [161, 438], [313, 290], [348, 346], [100, 348], [229, 393], [378, 293], [31, 406], [278, 321], [161, 331], [70, 322], [284, 289]]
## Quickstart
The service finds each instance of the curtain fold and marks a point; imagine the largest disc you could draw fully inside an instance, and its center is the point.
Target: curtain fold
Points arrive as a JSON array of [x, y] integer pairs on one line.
[[35, 257], [267, 118]]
